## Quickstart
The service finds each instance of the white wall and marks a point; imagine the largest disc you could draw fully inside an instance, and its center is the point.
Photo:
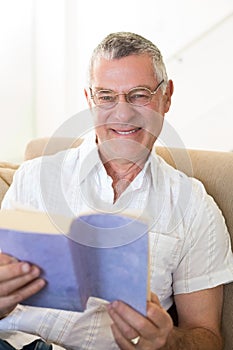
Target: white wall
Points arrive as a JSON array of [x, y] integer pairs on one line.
[[16, 78], [50, 65], [202, 111], [46, 44], [194, 38]]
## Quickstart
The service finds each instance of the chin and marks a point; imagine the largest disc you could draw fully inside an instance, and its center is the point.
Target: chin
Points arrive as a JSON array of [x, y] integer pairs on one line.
[[124, 151]]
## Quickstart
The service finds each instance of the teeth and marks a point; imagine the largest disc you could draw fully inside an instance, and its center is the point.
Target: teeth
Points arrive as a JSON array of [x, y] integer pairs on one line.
[[126, 132]]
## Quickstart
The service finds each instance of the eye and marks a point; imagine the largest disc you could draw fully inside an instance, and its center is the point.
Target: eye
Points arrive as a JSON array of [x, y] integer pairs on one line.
[[105, 96], [139, 95]]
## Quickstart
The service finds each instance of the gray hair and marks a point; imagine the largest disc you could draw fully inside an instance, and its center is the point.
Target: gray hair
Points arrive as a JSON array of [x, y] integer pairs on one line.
[[123, 44]]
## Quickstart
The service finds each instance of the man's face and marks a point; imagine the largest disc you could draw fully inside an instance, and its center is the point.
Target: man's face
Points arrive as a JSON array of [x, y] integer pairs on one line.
[[126, 131]]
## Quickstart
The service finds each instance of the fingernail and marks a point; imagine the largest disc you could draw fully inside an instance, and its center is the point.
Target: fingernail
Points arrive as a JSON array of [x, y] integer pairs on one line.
[[14, 260], [25, 267], [109, 306], [114, 304], [35, 271], [41, 283]]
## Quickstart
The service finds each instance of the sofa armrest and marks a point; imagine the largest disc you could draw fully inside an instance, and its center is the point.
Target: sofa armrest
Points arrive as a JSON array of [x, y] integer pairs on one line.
[[7, 171]]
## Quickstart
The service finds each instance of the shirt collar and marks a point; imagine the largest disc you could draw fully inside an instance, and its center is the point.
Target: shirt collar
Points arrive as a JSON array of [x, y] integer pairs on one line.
[[89, 158]]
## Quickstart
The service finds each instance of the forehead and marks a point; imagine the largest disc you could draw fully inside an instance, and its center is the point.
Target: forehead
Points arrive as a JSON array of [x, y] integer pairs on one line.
[[125, 73]]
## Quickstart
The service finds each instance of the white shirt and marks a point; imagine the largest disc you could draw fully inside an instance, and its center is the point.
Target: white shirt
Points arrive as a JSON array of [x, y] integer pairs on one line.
[[189, 243]]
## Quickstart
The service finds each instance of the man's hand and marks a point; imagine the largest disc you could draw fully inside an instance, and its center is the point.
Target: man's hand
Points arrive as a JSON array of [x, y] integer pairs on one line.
[[18, 281], [199, 315], [153, 330]]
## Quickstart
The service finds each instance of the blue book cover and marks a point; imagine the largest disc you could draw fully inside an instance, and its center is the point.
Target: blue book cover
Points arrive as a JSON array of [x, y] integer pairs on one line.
[[102, 255]]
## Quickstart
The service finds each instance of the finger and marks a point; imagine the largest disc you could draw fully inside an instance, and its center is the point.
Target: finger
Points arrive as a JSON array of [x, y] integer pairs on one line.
[[10, 271], [122, 342], [6, 259], [132, 318], [126, 329], [159, 317], [155, 299], [7, 303], [9, 286]]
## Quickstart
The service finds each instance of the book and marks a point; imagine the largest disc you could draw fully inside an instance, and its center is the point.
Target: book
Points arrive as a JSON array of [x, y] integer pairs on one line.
[[99, 255]]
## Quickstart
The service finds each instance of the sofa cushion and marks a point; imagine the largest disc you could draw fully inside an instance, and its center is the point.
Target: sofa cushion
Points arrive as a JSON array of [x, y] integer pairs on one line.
[[46, 146]]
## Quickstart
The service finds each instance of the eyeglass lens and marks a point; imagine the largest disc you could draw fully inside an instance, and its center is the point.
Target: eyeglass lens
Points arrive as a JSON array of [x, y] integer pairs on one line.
[[138, 97]]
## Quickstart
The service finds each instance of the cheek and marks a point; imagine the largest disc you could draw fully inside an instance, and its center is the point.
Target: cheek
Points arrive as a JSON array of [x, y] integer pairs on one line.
[[158, 104], [101, 132], [153, 122], [100, 117]]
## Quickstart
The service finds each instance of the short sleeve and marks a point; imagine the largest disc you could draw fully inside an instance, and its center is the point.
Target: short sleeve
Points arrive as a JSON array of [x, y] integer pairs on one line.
[[206, 259], [24, 189]]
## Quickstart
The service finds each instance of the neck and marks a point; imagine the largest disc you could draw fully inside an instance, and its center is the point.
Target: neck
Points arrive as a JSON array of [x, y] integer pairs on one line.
[[123, 161], [122, 174]]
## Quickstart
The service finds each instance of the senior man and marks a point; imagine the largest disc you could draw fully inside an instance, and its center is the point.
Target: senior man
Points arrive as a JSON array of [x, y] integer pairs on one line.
[[129, 94]]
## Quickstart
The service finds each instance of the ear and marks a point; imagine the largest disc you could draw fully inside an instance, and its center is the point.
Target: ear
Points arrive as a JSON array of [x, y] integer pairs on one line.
[[88, 98], [167, 95]]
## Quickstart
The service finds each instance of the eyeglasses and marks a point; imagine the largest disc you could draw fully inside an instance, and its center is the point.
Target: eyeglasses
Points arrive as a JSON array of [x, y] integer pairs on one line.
[[139, 96]]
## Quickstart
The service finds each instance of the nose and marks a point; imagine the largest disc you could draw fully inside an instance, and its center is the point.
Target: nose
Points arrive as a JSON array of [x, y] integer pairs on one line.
[[124, 111], [122, 97]]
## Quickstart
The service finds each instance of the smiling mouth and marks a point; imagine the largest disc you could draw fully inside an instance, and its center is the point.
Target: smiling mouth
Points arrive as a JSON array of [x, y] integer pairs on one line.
[[126, 132]]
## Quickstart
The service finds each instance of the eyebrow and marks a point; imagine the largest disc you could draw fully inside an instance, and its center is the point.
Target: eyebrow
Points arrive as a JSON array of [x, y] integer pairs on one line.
[[135, 87], [101, 88]]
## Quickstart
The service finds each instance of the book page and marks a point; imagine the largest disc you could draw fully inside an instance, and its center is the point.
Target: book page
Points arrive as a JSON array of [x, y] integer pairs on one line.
[[34, 221]]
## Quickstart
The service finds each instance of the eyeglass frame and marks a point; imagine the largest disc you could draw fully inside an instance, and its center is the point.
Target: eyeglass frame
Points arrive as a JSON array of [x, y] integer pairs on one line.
[[126, 94]]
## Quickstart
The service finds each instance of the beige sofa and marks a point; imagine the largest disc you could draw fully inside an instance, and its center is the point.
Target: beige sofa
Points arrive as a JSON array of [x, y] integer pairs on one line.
[[214, 169]]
